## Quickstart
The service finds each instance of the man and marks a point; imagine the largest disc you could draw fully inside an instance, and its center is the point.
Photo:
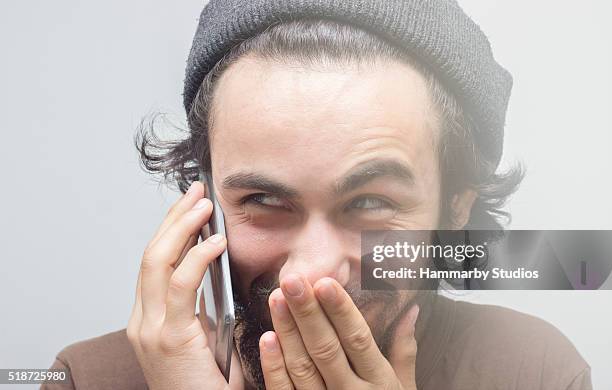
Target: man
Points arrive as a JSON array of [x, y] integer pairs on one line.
[[321, 119]]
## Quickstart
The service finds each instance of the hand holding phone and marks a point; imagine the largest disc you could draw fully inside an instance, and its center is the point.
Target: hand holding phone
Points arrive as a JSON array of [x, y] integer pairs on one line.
[[169, 339]]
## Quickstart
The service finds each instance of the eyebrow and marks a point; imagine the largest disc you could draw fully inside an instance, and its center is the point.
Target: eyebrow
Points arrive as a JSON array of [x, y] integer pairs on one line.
[[246, 180], [358, 176], [370, 170]]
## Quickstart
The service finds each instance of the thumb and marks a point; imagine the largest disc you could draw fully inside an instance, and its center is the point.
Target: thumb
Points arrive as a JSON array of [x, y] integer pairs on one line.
[[403, 352]]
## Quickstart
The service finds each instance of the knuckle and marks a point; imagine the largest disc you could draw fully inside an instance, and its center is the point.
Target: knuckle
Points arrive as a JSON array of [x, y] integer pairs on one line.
[[133, 325], [344, 310], [359, 340], [302, 369], [168, 345], [284, 386], [307, 310], [276, 369], [389, 385], [171, 210], [276, 372], [147, 248], [383, 376], [326, 351], [281, 384], [148, 261], [177, 284], [174, 341], [132, 334], [148, 339]]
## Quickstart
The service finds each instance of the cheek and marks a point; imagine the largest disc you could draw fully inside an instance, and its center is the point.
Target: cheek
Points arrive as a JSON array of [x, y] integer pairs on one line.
[[254, 251]]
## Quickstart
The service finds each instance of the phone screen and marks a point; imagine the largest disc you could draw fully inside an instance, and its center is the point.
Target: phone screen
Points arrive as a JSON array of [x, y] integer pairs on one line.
[[220, 283]]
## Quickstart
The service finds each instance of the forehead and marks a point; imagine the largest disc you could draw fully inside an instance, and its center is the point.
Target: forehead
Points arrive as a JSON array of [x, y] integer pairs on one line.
[[265, 112]]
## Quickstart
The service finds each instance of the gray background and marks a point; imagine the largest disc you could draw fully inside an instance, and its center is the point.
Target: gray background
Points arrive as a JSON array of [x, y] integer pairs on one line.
[[76, 78]]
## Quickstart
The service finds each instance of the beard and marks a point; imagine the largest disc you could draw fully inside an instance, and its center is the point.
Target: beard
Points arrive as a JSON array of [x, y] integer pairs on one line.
[[384, 308]]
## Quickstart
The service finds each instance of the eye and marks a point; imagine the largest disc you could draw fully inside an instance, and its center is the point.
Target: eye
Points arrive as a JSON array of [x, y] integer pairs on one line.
[[265, 200], [369, 203]]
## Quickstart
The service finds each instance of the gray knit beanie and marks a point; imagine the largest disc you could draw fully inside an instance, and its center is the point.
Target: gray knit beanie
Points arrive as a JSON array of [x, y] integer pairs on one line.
[[437, 32]]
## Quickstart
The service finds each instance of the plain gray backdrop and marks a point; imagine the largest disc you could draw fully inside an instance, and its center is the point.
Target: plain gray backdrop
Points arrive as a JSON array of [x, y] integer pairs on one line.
[[76, 210]]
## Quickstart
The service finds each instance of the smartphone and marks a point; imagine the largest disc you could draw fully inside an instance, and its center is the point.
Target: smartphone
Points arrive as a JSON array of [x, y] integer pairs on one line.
[[220, 283]]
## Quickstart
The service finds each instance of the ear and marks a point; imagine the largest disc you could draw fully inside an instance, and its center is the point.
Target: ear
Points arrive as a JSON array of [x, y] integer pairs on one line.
[[461, 208]]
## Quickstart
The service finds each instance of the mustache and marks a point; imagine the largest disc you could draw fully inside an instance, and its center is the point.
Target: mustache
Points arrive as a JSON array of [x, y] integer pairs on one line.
[[254, 306], [263, 286], [261, 290]]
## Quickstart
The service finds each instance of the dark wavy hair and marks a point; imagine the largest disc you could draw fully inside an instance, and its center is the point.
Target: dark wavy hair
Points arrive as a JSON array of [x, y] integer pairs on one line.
[[320, 42]]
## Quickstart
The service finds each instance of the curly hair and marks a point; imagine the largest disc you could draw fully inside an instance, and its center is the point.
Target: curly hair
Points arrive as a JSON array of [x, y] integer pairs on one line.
[[313, 42]]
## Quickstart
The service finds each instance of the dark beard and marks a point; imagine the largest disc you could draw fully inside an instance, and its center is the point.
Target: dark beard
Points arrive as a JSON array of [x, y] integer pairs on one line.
[[253, 320]]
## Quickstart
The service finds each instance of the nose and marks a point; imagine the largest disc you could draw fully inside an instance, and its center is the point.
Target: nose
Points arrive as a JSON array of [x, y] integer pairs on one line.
[[319, 250]]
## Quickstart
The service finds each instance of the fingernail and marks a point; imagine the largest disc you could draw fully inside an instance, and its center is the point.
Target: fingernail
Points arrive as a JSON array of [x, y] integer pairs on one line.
[[200, 204], [216, 238], [269, 341], [191, 188], [327, 290], [294, 286]]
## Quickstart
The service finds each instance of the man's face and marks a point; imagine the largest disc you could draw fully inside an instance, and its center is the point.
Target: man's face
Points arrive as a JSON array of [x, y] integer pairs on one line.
[[303, 160]]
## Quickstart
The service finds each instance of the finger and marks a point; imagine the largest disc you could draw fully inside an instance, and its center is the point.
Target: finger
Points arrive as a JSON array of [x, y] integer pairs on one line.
[[353, 331], [184, 283], [193, 240], [196, 191], [318, 334], [158, 261], [302, 370], [273, 364], [402, 355]]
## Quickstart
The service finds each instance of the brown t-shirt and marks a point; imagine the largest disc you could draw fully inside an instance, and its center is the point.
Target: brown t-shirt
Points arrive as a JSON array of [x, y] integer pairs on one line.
[[461, 345]]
